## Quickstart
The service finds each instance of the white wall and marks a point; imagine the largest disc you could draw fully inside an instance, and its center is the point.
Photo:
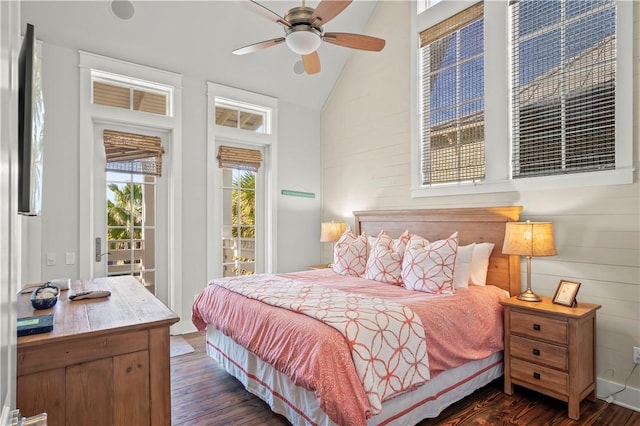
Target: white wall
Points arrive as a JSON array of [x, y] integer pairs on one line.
[[299, 170], [366, 165], [9, 221], [57, 230]]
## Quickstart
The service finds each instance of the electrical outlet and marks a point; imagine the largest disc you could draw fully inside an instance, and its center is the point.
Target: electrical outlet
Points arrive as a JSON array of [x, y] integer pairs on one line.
[[636, 355]]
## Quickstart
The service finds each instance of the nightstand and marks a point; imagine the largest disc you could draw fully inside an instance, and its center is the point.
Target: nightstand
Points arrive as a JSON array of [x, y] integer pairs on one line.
[[551, 349], [322, 266]]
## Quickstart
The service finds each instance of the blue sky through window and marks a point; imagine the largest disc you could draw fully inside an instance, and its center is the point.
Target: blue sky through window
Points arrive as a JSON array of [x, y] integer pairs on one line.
[[457, 80]]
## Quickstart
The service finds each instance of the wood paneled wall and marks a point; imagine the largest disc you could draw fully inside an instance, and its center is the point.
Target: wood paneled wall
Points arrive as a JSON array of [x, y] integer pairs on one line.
[[366, 165]]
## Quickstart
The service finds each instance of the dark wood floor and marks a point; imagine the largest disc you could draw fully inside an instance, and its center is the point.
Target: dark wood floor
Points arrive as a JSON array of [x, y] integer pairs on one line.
[[202, 393]]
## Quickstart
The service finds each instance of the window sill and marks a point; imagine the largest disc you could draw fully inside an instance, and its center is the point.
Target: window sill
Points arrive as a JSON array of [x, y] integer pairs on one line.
[[609, 177]]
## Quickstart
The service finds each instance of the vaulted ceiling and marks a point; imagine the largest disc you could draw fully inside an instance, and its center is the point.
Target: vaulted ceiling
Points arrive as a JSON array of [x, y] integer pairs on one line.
[[195, 38]]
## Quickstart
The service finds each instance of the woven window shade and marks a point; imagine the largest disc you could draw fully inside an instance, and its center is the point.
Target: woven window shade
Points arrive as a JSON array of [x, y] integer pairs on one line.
[[452, 24], [132, 153], [452, 55], [564, 82], [239, 158]]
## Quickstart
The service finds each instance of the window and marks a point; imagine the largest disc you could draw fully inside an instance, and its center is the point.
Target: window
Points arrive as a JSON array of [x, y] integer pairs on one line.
[[564, 82], [452, 55], [556, 110], [132, 163], [241, 116], [241, 182], [239, 173], [127, 93]]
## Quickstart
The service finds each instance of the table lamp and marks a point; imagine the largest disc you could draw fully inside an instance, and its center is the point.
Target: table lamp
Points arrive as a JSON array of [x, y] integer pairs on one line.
[[331, 232], [529, 239]]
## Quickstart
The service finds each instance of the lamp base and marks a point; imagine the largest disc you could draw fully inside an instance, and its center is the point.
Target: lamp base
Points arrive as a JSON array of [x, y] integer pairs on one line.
[[529, 296]]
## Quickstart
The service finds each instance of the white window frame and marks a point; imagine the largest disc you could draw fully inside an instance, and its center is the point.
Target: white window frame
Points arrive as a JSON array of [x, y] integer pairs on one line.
[[267, 144], [91, 114], [498, 134]]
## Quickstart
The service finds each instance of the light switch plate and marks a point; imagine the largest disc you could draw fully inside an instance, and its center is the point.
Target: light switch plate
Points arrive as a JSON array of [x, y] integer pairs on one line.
[[51, 259]]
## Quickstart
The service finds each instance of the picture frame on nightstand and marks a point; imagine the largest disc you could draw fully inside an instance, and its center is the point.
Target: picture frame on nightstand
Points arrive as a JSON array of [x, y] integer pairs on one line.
[[566, 293]]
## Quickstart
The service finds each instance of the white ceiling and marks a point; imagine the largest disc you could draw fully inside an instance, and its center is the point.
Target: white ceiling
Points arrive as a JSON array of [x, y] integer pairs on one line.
[[195, 38]]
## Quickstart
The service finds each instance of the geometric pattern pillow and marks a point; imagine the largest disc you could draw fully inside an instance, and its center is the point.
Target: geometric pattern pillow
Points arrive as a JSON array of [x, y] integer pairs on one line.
[[429, 267], [350, 254], [385, 259]]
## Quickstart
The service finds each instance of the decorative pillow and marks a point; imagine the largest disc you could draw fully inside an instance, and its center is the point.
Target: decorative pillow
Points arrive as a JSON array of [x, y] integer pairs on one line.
[[429, 267], [480, 263], [350, 254], [385, 259], [462, 269]]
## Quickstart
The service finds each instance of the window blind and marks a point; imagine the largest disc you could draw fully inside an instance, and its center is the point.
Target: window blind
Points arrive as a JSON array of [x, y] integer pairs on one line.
[[563, 80], [239, 158], [133, 153], [452, 91]]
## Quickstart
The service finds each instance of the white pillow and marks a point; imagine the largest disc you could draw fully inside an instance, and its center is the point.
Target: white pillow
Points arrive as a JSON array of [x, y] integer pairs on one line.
[[480, 263], [428, 267], [462, 271], [350, 254]]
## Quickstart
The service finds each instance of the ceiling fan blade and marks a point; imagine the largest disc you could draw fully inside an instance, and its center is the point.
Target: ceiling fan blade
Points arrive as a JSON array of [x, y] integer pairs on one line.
[[355, 41], [311, 63], [258, 46], [267, 13], [327, 10]]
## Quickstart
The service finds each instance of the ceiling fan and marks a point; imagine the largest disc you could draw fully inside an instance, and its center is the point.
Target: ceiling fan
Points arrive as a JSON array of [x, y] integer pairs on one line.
[[304, 33]]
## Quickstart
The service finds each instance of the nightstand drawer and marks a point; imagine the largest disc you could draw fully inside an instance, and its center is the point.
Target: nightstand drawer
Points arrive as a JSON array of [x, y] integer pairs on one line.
[[539, 327], [539, 376], [539, 352]]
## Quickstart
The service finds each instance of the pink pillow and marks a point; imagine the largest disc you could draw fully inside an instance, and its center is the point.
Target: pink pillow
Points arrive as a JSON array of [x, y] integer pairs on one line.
[[480, 263], [350, 254], [385, 259], [429, 267], [462, 269]]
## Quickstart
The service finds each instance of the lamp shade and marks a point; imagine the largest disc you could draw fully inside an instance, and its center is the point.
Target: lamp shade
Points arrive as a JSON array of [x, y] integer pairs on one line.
[[529, 239], [303, 42], [331, 231]]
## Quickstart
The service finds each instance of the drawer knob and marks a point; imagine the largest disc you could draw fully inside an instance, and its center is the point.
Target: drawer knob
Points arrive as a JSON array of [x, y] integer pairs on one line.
[[536, 352], [536, 327], [536, 376]]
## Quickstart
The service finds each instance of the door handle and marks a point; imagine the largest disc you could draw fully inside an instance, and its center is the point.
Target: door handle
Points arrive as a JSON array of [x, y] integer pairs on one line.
[[99, 249]]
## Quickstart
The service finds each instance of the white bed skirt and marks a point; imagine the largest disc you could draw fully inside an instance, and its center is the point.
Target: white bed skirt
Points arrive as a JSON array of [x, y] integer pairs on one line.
[[300, 406]]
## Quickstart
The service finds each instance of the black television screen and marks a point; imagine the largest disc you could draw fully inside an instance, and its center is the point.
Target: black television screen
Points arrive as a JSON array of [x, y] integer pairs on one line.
[[30, 127]]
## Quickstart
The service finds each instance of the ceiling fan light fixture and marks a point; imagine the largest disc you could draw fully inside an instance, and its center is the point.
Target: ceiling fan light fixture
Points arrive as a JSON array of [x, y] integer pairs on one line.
[[303, 41]]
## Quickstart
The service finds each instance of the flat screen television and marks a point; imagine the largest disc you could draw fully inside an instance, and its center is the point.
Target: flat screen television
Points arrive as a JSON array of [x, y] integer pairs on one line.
[[30, 127]]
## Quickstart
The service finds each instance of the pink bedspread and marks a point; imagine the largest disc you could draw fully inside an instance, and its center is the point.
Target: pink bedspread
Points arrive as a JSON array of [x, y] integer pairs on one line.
[[459, 328]]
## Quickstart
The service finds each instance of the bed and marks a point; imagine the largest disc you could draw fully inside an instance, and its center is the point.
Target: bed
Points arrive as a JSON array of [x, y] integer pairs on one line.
[[307, 363]]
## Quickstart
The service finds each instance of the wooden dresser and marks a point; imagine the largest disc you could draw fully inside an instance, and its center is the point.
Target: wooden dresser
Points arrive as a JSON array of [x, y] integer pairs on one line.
[[106, 362], [550, 348]]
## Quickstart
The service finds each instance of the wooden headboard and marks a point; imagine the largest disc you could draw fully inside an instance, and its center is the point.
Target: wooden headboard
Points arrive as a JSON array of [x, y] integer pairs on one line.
[[484, 224]]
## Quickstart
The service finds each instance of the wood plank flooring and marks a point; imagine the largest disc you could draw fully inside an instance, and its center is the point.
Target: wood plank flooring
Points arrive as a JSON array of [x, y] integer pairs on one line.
[[202, 393]]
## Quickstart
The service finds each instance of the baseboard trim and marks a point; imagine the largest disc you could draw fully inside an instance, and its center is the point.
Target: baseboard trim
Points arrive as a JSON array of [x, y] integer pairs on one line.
[[628, 398], [183, 327]]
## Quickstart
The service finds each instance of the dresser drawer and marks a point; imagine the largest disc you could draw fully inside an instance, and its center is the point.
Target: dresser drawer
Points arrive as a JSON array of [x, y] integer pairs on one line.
[[540, 376], [552, 330], [539, 352]]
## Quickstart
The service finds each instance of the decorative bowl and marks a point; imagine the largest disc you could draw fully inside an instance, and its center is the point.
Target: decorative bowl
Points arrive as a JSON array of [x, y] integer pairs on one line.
[[45, 297]]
